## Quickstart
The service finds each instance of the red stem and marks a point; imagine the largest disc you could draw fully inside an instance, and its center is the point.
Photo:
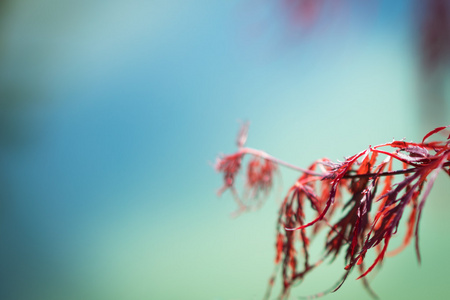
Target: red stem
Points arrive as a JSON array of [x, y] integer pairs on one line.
[[267, 156]]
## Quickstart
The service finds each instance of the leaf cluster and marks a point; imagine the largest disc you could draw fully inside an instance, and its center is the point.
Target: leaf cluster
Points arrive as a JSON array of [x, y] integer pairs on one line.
[[358, 202]]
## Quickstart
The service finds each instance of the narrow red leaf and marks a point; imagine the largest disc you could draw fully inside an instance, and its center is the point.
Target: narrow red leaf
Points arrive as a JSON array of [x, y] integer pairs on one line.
[[436, 130]]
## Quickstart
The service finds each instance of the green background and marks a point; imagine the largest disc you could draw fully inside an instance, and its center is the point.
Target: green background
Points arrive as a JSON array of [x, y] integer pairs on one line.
[[113, 113]]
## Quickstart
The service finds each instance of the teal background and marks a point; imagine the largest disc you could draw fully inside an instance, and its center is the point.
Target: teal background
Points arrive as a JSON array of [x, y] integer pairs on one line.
[[113, 113]]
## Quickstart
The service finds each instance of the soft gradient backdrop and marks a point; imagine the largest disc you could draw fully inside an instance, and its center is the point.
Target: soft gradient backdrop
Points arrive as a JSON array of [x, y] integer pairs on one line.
[[112, 114]]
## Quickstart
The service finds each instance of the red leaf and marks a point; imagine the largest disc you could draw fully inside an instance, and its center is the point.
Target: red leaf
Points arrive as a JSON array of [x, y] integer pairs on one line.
[[436, 130]]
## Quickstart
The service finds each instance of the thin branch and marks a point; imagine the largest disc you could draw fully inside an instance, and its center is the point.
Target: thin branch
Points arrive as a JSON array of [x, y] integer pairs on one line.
[[267, 156], [389, 173]]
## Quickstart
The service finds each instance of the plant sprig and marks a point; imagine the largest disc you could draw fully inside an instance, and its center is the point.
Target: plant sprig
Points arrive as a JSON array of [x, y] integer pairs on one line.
[[362, 185]]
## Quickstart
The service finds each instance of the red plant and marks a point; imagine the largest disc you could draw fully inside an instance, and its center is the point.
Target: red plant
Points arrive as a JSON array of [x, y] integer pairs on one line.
[[370, 214], [435, 34], [260, 172]]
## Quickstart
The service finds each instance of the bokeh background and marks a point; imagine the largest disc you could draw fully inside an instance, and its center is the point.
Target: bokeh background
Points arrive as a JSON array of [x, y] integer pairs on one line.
[[112, 114]]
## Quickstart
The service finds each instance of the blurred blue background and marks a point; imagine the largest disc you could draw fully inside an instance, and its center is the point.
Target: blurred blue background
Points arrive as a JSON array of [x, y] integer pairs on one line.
[[112, 114]]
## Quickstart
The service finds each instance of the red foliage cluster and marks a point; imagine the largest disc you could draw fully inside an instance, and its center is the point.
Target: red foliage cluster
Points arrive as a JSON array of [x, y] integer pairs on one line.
[[372, 205], [435, 33], [260, 173], [302, 12]]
